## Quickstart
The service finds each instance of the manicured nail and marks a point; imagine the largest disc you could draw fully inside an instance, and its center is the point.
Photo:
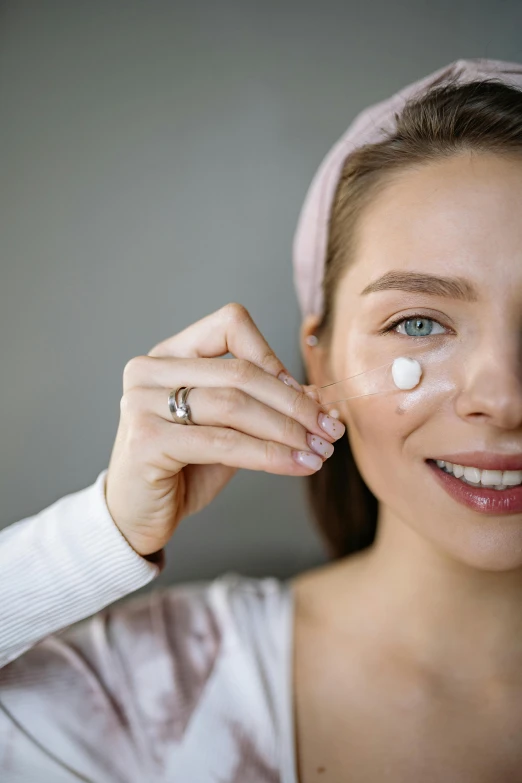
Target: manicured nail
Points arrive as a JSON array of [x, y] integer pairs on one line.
[[319, 445], [333, 427], [312, 392], [307, 459], [283, 376]]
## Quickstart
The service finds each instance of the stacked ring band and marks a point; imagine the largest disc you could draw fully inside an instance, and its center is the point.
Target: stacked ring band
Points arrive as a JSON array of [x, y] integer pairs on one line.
[[180, 411]]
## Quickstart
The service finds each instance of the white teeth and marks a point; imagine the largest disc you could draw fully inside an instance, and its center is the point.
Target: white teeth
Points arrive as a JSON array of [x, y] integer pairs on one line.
[[494, 479], [512, 477], [491, 477], [472, 475]]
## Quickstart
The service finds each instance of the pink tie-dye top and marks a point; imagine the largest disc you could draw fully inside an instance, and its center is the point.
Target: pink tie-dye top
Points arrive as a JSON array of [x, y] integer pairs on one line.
[[188, 684]]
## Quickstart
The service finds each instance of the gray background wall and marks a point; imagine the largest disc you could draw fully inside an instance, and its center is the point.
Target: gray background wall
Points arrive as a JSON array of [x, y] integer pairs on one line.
[[154, 157]]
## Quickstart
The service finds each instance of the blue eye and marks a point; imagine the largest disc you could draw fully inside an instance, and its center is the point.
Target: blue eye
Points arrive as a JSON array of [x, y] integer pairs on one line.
[[417, 326]]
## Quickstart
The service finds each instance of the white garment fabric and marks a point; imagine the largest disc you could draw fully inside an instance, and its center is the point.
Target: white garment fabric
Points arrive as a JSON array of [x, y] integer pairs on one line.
[[192, 683]]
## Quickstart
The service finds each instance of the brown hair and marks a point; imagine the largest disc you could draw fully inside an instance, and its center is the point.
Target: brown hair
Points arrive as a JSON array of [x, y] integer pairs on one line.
[[481, 116]]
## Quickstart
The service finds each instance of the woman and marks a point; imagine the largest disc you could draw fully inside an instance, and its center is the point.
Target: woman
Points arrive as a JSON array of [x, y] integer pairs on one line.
[[401, 659]]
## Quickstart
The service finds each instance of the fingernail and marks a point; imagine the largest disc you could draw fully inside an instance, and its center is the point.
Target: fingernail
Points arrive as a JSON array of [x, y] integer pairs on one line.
[[307, 459], [283, 376], [313, 393], [319, 445], [333, 427]]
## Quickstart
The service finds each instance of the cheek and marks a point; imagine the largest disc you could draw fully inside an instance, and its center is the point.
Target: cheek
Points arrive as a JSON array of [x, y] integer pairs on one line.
[[391, 431], [376, 433], [388, 435], [377, 405]]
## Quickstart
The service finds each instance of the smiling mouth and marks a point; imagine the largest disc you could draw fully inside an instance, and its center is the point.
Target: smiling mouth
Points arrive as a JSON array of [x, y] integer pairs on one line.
[[485, 491], [499, 480]]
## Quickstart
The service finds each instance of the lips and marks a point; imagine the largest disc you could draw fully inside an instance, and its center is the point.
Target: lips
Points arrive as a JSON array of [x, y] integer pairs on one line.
[[481, 499]]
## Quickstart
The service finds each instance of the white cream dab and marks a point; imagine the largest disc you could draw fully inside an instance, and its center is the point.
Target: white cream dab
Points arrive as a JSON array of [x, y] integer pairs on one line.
[[406, 372]]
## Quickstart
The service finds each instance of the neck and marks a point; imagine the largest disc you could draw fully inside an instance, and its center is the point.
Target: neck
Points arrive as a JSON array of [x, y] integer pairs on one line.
[[441, 611]]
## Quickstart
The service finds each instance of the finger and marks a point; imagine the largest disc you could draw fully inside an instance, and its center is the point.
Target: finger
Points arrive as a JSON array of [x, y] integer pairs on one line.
[[230, 329], [181, 445], [146, 371], [313, 392], [230, 407]]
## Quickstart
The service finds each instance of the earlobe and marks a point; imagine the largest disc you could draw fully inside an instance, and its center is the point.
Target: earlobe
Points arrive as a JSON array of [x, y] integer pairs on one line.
[[315, 357], [308, 335], [313, 352]]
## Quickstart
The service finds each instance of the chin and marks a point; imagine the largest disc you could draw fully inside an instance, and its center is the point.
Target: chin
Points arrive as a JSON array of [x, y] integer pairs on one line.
[[483, 526], [479, 539], [488, 550]]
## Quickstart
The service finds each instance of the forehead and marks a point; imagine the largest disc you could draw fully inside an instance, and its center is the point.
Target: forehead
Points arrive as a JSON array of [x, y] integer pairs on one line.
[[457, 216]]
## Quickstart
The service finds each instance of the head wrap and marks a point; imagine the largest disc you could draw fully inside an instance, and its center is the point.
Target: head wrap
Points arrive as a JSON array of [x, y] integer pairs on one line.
[[370, 126]]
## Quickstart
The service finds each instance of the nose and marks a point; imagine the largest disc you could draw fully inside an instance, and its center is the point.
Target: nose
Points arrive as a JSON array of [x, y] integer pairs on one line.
[[492, 388]]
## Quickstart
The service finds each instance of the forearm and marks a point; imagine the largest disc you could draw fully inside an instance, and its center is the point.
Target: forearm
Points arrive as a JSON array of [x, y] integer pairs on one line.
[[62, 565]]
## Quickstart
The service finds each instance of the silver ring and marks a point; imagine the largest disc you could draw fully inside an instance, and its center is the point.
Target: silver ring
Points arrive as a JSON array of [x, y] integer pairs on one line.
[[180, 411]]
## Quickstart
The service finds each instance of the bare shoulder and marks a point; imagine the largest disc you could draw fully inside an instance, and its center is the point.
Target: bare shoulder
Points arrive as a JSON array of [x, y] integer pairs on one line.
[[319, 591]]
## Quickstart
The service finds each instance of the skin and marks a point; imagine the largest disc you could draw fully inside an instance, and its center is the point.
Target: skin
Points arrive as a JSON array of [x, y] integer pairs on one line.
[[408, 656]]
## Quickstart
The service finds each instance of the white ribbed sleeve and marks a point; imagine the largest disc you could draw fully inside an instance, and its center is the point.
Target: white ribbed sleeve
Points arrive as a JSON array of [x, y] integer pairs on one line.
[[62, 565]]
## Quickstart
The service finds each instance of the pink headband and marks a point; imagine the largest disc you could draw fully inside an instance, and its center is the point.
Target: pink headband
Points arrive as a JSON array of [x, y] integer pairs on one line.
[[370, 126]]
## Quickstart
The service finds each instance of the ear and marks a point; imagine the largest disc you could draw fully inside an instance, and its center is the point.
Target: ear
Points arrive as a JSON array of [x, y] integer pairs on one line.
[[315, 357]]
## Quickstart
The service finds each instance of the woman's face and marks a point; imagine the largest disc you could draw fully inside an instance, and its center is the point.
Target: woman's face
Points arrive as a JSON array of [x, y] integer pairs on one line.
[[457, 218]]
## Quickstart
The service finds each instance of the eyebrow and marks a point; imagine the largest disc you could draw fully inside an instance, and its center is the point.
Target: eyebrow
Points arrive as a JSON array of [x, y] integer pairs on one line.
[[423, 283]]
